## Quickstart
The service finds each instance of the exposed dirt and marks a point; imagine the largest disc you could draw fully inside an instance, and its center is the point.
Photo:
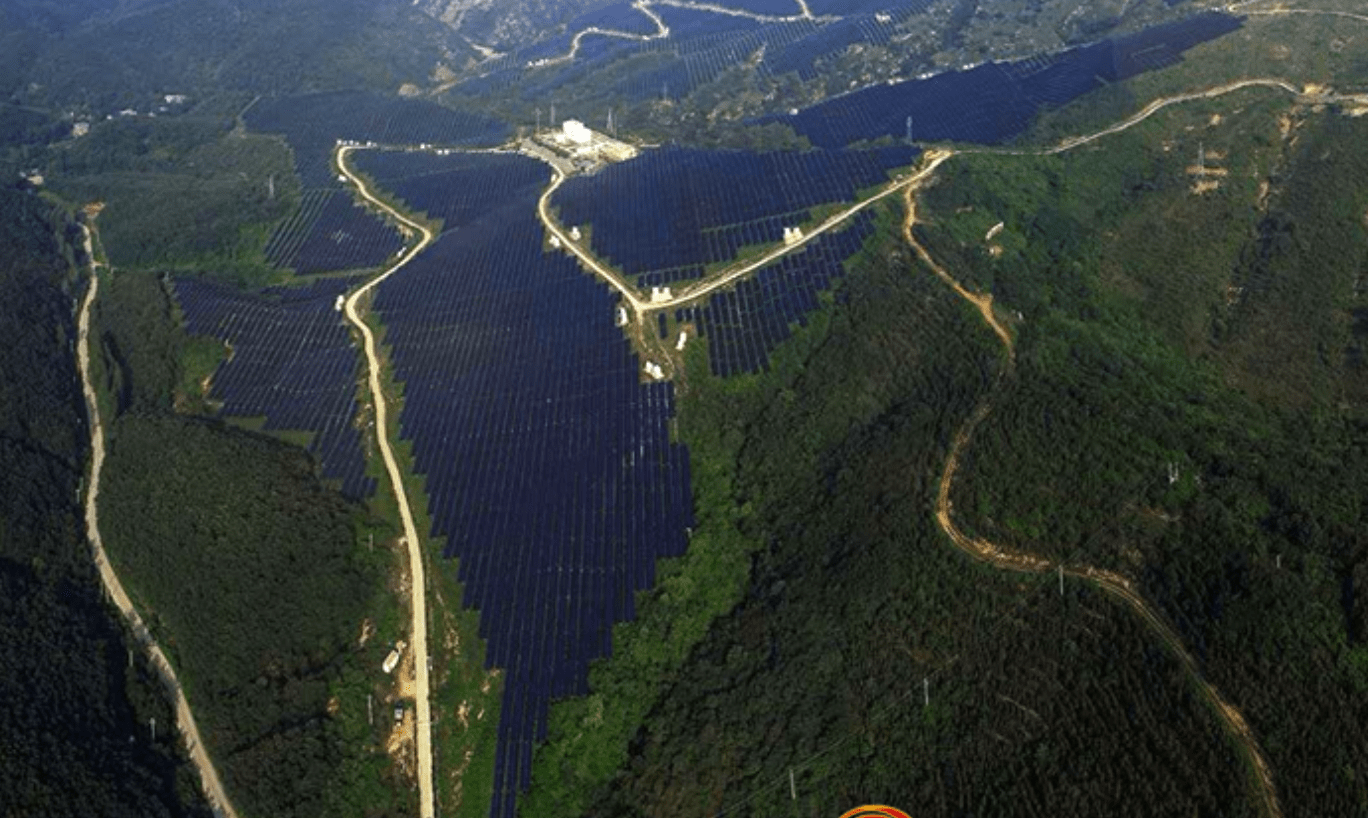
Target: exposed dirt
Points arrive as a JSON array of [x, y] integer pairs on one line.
[[399, 747], [404, 685], [457, 778], [421, 714]]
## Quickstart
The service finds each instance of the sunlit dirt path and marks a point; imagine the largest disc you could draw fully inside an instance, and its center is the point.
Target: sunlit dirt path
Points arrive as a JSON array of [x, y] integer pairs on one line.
[[185, 720], [1280, 10], [417, 574]]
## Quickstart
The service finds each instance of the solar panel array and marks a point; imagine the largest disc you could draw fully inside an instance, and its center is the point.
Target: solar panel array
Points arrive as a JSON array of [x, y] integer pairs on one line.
[[820, 7], [456, 188], [994, 102], [332, 232], [292, 363], [549, 467], [744, 325], [284, 244], [312, 123], [805, 57], [669, 212]]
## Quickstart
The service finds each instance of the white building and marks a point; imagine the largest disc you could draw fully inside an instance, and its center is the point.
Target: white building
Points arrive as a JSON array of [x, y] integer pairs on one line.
[[576, 133]]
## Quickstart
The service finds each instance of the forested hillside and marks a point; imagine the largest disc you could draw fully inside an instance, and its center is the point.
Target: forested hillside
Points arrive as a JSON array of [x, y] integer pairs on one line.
[[76, 731], [868, 657], [1189, 402]]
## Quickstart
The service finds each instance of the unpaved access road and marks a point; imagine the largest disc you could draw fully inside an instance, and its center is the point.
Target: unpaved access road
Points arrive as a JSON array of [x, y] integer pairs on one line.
[[185, 720], [417, 573]]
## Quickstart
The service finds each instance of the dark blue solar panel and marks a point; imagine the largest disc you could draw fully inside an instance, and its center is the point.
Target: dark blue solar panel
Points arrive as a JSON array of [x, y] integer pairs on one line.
[[314, 122], [292, 363], [702, 46], [994, 102], [548, 464], [457, 187], [620, 16], [745, 324], [332, 232], [778, 8], [667, 213]]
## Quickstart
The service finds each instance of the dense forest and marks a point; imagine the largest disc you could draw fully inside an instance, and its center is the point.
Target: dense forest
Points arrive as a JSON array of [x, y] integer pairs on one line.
[[868, 658], [1188, 407], [76, 732], [254, 576]]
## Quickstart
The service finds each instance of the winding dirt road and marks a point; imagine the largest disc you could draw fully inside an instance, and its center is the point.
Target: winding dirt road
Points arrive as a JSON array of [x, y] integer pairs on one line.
[[643, 6], [646, 7], [185, 720], [418, 578], [804, 13], [1112, 583], [1240, 8], [1154, 108]]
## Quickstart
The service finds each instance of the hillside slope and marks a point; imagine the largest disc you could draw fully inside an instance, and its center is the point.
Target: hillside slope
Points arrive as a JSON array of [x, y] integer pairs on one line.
[[86, 53]]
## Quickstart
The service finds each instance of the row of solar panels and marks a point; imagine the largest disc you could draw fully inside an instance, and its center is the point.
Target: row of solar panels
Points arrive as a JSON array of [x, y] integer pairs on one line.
[[332, 232], [675, 208], [994, 102], [744, 325], [292, 363], [548, 465]]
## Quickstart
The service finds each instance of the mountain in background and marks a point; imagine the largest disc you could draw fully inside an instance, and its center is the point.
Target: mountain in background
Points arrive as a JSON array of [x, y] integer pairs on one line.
[[500, 24], [101, 54]]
